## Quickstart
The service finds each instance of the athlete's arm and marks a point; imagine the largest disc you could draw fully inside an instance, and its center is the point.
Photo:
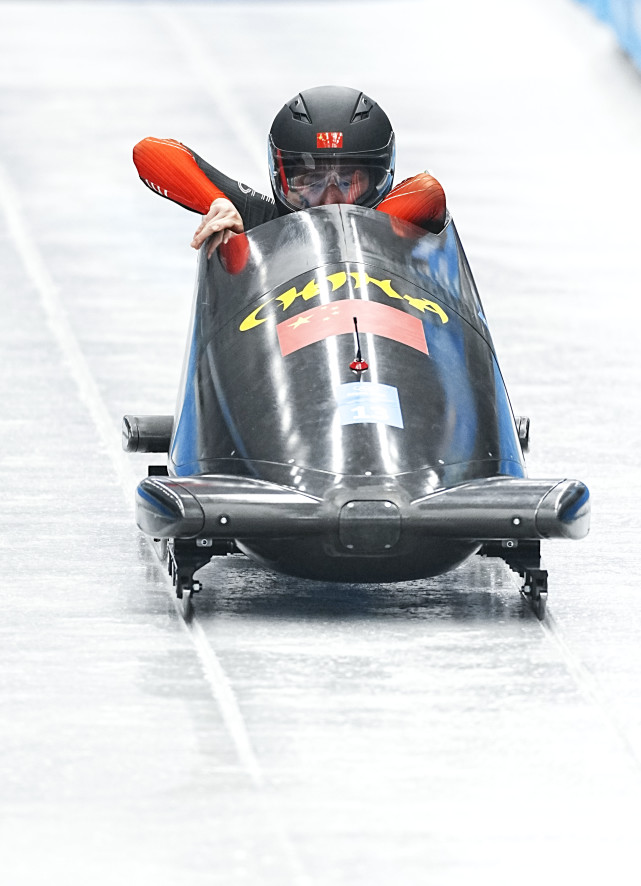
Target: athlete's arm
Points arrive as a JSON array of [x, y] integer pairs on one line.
[[169, 169], [174, 171], [420, 200]]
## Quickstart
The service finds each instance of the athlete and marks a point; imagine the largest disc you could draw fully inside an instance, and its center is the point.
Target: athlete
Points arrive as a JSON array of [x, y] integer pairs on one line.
[[330, 144]]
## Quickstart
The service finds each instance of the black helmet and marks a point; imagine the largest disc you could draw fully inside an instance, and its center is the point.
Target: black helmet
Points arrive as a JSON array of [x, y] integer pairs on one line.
[[331, 144]]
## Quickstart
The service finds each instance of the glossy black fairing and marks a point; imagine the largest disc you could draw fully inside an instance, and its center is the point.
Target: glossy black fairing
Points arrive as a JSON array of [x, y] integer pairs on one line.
[[265, 397], [433, 404], [342, 414]]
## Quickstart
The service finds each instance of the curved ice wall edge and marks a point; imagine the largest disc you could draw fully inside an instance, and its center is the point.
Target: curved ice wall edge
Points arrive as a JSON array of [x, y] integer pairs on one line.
[[624, 16]]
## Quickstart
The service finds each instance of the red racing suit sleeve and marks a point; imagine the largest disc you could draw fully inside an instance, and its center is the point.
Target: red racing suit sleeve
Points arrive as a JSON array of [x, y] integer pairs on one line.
[[170, 169], [420, 200]]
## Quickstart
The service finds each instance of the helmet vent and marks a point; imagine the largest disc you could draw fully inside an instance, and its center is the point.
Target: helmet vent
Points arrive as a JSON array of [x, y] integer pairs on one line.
[[299, 111], [362, 109]]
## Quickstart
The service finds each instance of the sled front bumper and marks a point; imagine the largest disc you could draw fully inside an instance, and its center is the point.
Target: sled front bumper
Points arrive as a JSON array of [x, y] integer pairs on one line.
[[229, 507]]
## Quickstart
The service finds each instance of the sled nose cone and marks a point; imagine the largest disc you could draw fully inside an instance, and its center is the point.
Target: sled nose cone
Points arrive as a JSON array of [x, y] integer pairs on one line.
[[564, 512], [368, 527], [165, 512]]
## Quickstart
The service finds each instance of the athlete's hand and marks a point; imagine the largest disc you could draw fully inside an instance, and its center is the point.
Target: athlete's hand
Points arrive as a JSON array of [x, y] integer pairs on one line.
[[221, 222]]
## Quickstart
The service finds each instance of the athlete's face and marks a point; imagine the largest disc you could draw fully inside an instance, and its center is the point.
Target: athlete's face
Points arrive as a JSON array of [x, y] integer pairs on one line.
[[331, 182]]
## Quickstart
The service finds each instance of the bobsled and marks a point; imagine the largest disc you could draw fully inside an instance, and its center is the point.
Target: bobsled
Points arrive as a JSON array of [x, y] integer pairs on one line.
[[342, 416]]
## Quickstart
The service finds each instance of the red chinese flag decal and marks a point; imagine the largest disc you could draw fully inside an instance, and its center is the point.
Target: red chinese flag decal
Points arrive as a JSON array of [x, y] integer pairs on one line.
[[329, 139], [337, 318]]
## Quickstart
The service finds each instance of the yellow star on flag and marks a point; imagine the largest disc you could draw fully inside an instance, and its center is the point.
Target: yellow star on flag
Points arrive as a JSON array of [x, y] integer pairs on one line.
[[299, 322]]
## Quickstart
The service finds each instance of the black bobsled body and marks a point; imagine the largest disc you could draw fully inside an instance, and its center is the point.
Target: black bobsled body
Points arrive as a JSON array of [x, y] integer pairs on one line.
[[398, 471]]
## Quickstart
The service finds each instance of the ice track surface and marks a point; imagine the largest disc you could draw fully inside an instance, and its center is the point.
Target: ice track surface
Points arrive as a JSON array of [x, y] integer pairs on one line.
[[291, 732]]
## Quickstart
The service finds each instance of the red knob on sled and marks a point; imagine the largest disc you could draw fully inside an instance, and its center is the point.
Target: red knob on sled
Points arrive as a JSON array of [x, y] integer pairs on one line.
[[358, 364]]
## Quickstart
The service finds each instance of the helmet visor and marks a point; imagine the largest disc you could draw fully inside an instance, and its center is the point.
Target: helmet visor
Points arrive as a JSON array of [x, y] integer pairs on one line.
[[302, 181]]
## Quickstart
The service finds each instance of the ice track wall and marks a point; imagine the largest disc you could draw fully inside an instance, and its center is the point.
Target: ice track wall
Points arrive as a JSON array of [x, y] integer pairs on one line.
[[625, 18]]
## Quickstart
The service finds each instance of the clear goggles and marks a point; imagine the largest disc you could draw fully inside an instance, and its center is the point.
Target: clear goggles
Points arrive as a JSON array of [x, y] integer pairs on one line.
[[301, 180], [327, 174]]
